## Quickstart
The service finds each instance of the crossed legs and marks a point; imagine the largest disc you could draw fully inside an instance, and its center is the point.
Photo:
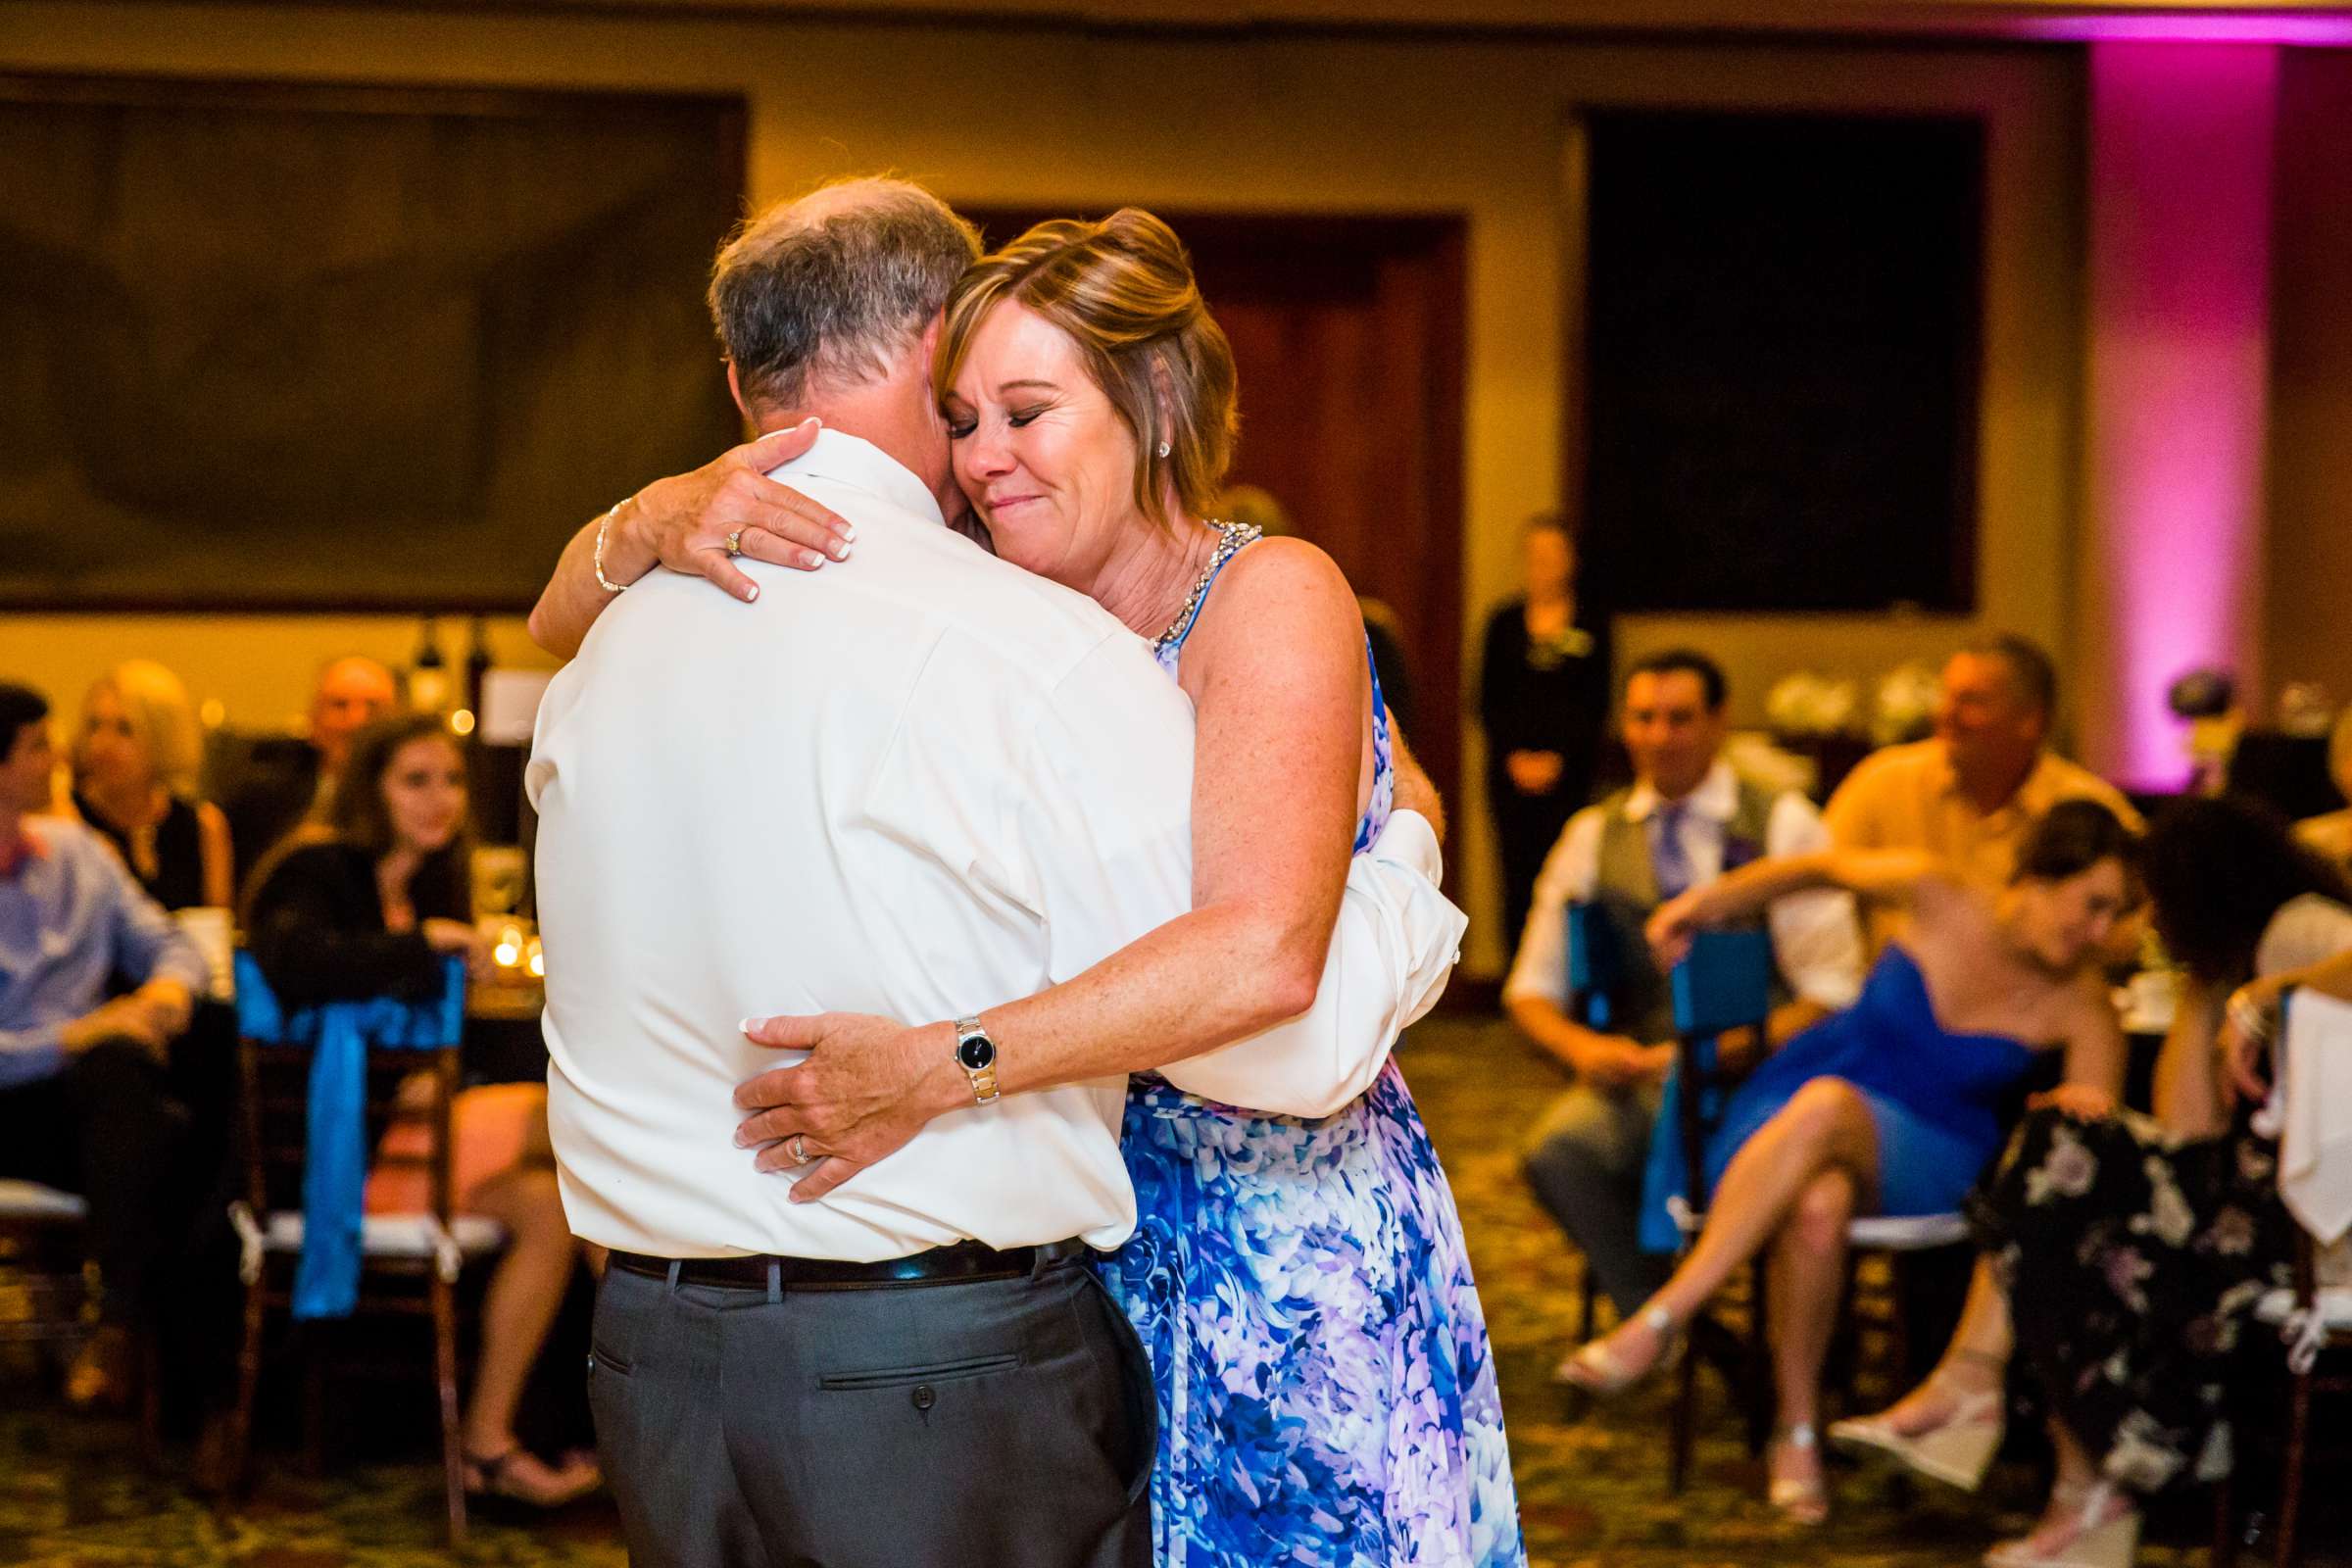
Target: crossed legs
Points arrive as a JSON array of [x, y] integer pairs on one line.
[[1791, 1188]]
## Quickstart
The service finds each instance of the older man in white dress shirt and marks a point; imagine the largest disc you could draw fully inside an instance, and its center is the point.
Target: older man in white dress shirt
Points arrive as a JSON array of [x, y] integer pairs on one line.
[[914, 788]]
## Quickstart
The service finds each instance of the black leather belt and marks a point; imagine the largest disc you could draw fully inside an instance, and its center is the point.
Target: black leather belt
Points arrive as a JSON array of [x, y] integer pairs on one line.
[[941, 1265]]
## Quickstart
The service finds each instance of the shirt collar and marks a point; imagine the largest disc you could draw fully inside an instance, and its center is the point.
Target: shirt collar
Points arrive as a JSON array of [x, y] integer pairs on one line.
[[1717, 797], [2033, 795], [20, 850], [858, 462]]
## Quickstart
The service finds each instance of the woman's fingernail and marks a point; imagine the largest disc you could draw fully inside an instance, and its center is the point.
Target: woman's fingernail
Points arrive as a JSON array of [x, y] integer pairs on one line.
[[841, 550], [811, 560], [748, 1025], [848, 530], [751, 593]]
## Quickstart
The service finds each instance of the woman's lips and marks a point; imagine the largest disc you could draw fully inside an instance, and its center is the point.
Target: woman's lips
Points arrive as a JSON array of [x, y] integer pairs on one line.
[[998, 508]]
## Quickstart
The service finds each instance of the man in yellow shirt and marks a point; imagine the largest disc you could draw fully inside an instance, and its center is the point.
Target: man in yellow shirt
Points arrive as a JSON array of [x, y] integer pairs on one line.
[[1970, 794]]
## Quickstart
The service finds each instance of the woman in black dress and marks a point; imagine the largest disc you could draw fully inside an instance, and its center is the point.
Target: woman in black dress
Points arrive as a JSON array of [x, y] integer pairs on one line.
[[135, 781], [1543, 697], [2142, 1242], [370, 902]]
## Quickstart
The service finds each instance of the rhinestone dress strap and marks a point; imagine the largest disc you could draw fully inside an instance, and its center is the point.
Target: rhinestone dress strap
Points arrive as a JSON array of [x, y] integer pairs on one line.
[[1231, 537]]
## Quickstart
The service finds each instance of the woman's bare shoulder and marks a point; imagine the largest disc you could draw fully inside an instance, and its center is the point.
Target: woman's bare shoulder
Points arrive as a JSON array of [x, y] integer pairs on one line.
[[1286, 590]]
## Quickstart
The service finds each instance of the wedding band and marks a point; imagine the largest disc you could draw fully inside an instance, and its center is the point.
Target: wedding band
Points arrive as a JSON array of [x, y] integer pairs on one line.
[[734, 543], [797, 1146]]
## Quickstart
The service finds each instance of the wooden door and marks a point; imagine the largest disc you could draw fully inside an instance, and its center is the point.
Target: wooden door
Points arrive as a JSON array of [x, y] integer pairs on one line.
[[1347, 335]]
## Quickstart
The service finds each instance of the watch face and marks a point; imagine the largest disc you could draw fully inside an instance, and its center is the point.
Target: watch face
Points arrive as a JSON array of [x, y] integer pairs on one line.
[[977, 1053]]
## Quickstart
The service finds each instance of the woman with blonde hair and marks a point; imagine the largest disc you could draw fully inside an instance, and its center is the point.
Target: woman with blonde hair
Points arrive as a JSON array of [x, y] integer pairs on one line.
[[135, 761]]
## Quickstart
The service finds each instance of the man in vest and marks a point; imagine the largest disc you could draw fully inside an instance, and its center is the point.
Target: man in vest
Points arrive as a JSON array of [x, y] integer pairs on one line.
[[1687, 819]]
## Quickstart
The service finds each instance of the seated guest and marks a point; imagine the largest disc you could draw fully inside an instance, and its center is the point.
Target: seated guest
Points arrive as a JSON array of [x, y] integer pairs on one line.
[[287, 778], [1687, 819], [83, 1103], [2143, 1243], [2331, 835], [1970, 794], [368, 901], [1890, 1107], [134, 781]]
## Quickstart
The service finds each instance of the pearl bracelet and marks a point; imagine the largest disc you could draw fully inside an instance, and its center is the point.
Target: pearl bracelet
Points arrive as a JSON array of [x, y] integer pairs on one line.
[[603, 524]]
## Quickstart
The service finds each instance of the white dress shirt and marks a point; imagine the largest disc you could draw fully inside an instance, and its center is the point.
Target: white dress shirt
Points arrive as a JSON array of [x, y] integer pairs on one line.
[[1815, 939], [918, 785]]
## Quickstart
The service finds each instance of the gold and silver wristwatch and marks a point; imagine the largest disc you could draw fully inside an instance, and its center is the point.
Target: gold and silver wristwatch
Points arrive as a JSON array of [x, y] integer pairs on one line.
[[976, 1055]]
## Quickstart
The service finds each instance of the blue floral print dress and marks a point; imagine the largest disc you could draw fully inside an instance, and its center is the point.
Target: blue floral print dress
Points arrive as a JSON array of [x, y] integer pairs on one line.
[[1327, 1397]]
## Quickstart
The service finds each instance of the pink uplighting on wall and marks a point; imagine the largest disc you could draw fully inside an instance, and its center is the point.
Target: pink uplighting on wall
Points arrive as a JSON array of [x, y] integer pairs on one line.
[[2179, 381], [2310, 29]]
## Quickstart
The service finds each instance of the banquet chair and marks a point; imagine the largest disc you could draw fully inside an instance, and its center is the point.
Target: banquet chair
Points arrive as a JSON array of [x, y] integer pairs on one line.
[[44, 1290], [1725, 984], [2315, 1320], [410, 1264], [1593, 975]]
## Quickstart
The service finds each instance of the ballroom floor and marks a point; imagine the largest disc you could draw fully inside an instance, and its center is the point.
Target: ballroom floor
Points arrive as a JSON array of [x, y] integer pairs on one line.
[[1592, 1493]]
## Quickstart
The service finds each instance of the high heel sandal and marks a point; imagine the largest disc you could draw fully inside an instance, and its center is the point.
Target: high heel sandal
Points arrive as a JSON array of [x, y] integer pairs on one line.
[[2103, 1533], [1801, 1501], [1956, 1450], [489, 1479], [1596, 1369]]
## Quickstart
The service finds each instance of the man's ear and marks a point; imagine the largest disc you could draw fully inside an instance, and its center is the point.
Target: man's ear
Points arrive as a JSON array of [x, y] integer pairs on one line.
[[735, 391]]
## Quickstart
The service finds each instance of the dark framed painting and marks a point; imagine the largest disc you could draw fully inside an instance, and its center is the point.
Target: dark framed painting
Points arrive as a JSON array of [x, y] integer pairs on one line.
[[1781, 331], [276, 346]]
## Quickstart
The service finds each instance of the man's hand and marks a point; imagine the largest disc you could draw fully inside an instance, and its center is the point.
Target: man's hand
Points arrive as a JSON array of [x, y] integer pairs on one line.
[[124, 1018], [1533, 772], [168, 1004], [868, 1086], [1620, 1062], [683, 523], [1414, 790]]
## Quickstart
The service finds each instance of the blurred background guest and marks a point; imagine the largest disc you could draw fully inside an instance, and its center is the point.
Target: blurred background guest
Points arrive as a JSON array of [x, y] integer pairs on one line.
[[1543, 698], [1256, 506], [369, 900], [2142, 1242], [134, 781], [1884, 1109], [1687, 819], [1970, 794], [84, 1105], [2330, 836], [282, 779]]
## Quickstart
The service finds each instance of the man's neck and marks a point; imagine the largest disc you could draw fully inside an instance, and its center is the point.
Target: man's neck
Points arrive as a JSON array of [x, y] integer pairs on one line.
[[1988, 792], [11, 842], [1690, 787], [890, 417]]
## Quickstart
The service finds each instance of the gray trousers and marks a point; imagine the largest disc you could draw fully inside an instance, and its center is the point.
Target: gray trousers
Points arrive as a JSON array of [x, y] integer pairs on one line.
[[1000, 1422], [1585, 1160]]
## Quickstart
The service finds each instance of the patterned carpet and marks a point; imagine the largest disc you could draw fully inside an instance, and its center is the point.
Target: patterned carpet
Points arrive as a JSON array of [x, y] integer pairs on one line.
[[1593, 1491]]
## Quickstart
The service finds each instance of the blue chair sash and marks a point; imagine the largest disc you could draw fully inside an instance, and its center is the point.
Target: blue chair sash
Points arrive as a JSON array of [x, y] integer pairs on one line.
[[1724, 983], [334, 1169]]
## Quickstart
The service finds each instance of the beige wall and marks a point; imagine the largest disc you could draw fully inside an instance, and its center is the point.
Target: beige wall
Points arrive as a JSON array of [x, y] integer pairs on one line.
[[1008, 114]]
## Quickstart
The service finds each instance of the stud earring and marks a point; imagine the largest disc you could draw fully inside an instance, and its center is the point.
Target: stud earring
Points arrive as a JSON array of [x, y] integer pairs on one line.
[[1163, 448]]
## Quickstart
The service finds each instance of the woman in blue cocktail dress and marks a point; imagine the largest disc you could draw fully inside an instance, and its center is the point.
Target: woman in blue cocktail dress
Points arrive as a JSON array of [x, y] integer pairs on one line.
[[1889, 1107]]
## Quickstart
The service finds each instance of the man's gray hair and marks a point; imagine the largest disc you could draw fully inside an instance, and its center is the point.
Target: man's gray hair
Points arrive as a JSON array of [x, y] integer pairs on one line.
[[833, 287]]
